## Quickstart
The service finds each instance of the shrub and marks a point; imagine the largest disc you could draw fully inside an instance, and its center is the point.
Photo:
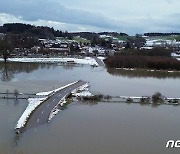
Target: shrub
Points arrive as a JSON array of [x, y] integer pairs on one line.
[[144, 100], [93, 98], [129, 100], [157, 98], [175, 102]]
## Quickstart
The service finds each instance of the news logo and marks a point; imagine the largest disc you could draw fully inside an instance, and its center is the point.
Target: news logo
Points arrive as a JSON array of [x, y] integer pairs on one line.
[[173, 144]]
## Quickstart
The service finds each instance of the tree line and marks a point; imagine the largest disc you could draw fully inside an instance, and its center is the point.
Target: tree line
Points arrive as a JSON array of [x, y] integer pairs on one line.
[[143, 62], [160, 34], [158, 51]]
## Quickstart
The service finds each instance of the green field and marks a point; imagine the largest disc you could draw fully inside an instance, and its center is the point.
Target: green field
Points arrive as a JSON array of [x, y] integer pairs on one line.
[[123, 38], [170, 37], [62, 38], [82, 40]]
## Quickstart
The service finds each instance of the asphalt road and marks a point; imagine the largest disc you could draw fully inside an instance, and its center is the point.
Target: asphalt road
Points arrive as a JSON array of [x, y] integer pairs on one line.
[[41, 114], [99, 61]]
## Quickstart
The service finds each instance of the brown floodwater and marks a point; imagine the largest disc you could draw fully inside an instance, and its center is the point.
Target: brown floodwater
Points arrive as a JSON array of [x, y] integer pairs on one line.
[[101, 128]]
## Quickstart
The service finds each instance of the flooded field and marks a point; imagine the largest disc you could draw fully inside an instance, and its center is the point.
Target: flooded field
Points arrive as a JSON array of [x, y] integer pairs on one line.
[[101, 128]]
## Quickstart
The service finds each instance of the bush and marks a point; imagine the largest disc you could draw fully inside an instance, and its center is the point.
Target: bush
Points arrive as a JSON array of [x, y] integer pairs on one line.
[[93, 98], [129, 100], [157, 98], [107, 97], [145, 100]]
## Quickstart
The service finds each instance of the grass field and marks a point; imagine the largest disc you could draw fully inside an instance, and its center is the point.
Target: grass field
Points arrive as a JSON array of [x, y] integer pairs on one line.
[[176, 37], [123, 38], [82, 40]]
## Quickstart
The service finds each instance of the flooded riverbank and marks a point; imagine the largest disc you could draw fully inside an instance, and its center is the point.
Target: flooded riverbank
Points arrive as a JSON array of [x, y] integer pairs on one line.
[[93, 128]]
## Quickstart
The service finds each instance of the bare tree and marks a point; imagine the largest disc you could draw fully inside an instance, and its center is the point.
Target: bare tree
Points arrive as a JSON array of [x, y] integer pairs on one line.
[[16, 93], [5, 47]]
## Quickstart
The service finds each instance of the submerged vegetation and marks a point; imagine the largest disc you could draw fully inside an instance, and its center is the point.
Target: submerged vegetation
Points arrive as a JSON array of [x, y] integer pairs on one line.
[[143, 62], [92, 98], [145, 73], [145, 100], [157, 98]]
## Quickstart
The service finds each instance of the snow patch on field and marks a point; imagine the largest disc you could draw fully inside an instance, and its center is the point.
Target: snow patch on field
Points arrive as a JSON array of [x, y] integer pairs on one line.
[[126, 69], [33, 104], [81, 88], [53, 113], [56, 109], [133, 69], [83, 94], [78, 92], [101, 58], [173, 98], [86, 60], [82, 91], [175, 55], [132, 97], [53, 91]]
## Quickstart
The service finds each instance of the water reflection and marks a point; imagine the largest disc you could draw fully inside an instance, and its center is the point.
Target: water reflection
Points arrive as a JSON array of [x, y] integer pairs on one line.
[[9, 70], [6, 75], [143, 73], [94, 103]]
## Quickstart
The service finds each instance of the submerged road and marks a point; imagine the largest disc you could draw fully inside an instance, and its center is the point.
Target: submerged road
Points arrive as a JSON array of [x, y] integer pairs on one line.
[[99, 61], [41, 114]]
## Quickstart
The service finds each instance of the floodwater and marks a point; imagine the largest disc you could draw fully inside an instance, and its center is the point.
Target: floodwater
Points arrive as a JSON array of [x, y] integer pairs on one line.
[[101, 128]]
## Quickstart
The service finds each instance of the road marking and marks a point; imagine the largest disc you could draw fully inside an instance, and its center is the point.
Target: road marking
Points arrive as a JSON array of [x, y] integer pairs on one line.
[[37, 120], [54, 100], [42, 112], [48, 105], [59, 94]]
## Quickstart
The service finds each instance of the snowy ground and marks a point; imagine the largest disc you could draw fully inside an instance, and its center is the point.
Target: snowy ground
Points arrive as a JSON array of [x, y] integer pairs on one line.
[[86, 60], [81, 88], [35, 102], [79, 92], [50, 92], [152, 42], [101, 58], [56, 109], [133, 69], [126, 69], [175, 55], [83, 93]]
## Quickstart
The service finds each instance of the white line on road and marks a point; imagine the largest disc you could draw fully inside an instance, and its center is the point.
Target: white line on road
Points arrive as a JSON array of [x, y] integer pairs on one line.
[[54, 100], [42, 112], [59, 94], [37, 120]]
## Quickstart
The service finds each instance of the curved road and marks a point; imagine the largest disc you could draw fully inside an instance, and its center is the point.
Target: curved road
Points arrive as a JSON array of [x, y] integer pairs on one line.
[[41, 114]]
